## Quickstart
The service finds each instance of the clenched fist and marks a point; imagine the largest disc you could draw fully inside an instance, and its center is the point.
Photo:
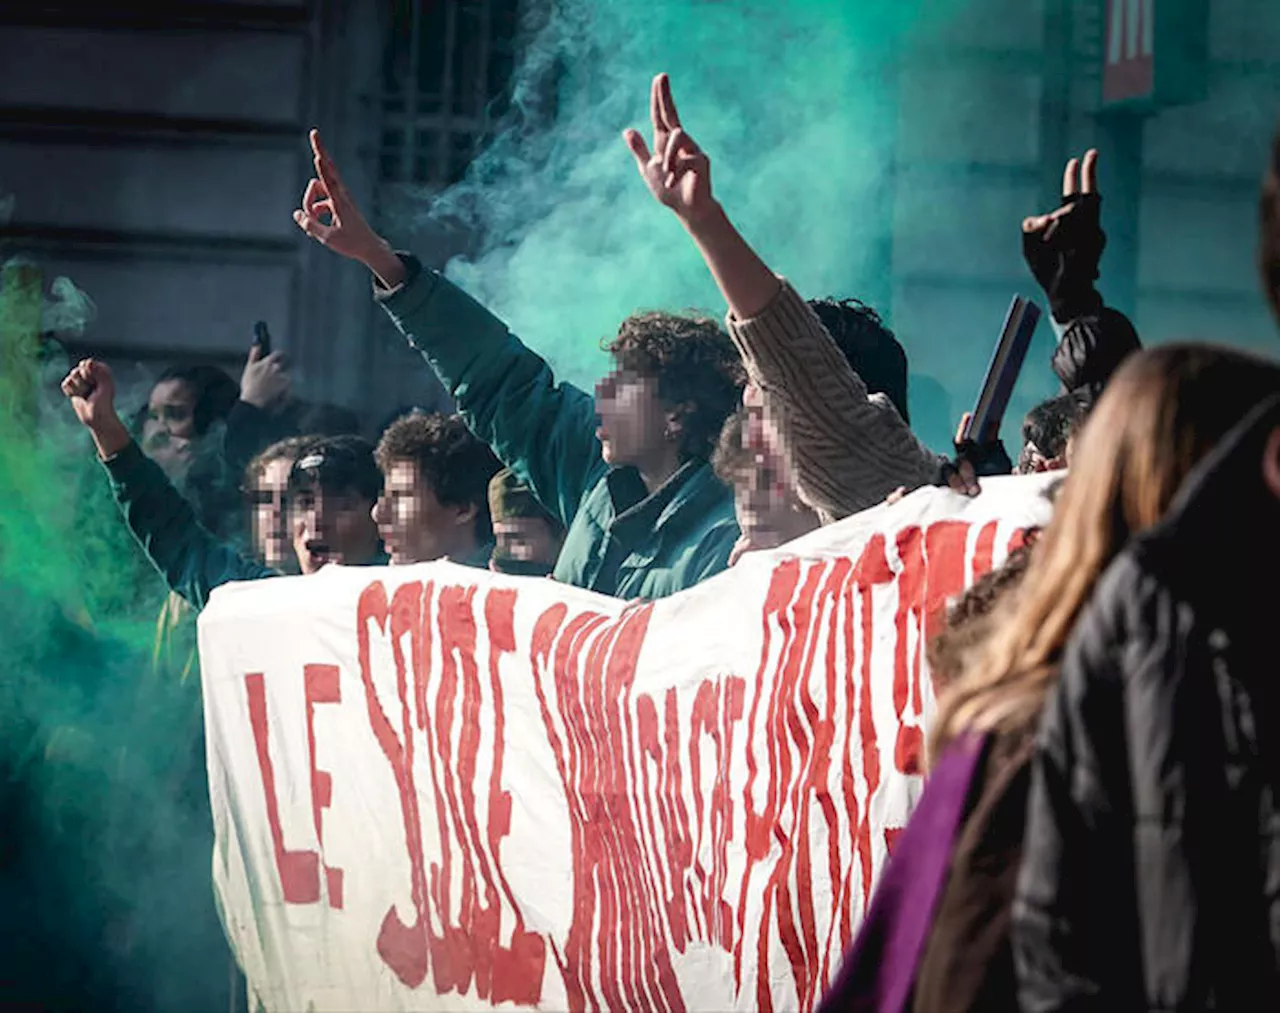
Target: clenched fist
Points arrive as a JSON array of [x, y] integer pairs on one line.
[[92, 391]]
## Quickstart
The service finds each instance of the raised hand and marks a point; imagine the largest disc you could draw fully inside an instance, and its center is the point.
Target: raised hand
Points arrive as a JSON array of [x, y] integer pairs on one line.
[[676, 170], [331, 217], [92, 391], [264, 382], [1063, 248]]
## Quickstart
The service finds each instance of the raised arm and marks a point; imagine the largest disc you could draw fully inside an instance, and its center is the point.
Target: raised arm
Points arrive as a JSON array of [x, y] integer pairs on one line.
[[847, 449], [1063, 250], [192, 561], [543, 430]]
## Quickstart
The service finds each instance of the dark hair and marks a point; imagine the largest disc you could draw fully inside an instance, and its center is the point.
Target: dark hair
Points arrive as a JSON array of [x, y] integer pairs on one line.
[[282, 450], [697, 368], [869, 346], [965, 624], [215, 392], [336, 464], [443, 407], [1269, 231], [452, 460], [1050, 424]]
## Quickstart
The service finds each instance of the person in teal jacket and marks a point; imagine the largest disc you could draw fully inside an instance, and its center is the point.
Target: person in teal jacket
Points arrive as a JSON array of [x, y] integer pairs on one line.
[[626, 473]]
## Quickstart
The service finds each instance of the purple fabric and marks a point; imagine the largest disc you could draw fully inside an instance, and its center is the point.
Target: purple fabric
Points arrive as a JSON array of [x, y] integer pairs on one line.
[[879, 971]]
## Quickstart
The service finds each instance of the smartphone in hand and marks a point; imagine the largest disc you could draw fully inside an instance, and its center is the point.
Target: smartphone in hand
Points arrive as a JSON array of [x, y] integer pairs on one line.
[[262, 337]]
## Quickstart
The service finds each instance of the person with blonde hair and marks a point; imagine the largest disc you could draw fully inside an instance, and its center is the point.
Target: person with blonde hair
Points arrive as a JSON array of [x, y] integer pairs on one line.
[[1162, 412], [1151, 855]]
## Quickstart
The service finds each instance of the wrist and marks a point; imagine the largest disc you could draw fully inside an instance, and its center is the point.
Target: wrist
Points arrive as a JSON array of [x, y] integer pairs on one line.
[[1070, 303], [110, 436], [255, 400], [385, 265], [706, 223]]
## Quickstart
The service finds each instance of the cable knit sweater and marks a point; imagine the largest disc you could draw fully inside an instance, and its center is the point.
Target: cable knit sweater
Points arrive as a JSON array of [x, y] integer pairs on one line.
[[847, 448]]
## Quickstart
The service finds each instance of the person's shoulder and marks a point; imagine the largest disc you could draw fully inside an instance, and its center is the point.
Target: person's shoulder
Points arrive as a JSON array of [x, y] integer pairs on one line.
[[1128, 613]]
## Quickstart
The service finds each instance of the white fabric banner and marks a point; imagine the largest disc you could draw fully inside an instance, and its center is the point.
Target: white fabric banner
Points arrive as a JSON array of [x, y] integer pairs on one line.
[[436, 788]]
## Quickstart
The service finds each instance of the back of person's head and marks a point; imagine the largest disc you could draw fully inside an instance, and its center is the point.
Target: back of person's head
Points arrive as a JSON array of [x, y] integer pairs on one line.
[[215, 393], [511, 498], [336, 464], [1160, 414], [453, 462], [968, 618], [1048, 428], [698, 370], [869, 346], [1269, 230]]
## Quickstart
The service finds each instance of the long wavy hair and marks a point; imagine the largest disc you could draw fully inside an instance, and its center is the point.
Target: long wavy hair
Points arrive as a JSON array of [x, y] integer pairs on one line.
[[1162, 412]]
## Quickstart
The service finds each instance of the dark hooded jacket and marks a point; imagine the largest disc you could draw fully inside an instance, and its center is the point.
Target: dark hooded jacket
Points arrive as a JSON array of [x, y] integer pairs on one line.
[[1150, 875]]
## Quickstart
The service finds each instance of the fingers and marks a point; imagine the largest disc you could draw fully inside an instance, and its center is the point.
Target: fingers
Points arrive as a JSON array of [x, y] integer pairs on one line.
[[638, 147], [313, 227], [667, 104], [1034, 224], [317, 200], [655, 107], [325, 169], [98, 373], [961, 429], [1089, 172], [84, 377], [680, 150], [1071, 178], [255, 352], [963, 479], [75, 385]]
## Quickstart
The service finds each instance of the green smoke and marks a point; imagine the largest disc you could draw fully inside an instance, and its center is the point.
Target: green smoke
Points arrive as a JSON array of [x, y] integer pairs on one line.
[[104, 853], [796, 103]]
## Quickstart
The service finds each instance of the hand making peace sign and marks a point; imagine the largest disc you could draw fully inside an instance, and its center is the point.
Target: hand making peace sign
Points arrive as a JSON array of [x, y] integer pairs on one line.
[[677, 171], [1063, 248]]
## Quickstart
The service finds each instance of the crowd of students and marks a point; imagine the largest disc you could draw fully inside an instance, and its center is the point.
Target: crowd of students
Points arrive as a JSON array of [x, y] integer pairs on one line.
[[1101, 758]]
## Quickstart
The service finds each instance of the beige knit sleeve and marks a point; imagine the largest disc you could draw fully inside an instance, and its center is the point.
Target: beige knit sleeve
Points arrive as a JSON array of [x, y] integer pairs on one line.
[[848, 450]]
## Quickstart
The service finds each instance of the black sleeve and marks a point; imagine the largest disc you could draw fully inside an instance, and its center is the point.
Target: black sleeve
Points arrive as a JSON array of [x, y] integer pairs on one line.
[[1091, 349], [1073, 932], [192, 561]]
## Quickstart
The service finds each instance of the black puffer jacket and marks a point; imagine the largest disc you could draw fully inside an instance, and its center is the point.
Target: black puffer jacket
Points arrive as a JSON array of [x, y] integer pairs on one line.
[[1150, 875]]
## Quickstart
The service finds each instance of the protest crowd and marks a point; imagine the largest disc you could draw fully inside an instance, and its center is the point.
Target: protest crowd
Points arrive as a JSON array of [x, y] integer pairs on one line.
[[1101, 756]]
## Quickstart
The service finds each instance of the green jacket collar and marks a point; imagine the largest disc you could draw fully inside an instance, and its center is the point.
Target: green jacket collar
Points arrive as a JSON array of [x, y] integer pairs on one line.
[[640, 519]]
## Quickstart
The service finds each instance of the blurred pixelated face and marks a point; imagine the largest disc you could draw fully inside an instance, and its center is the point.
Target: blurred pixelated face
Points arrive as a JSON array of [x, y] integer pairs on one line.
[[269, 518], [526, 540], [768, 510], [169, 428], [331, 526], [633, 420], [415, 526], [761, 431], [1032, 462]]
